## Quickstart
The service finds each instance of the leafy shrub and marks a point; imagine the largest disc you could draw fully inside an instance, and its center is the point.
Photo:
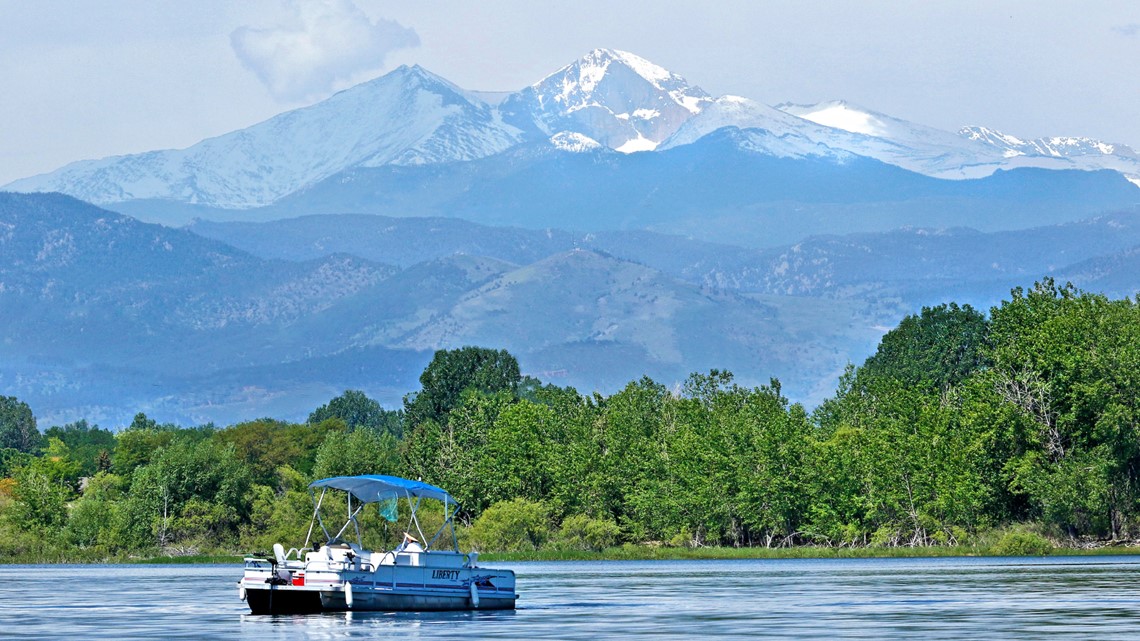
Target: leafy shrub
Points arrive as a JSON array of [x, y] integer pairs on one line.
[[511, 526], [580, 532], [952, 535], [886, 536], [40, 501], [683, 538], [1020, 543], [92, 517], [279, 518], [203, 522]]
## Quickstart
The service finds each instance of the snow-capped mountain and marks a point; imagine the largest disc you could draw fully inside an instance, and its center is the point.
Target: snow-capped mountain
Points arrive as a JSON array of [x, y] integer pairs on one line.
[[840, 130], [607, 99], [613, 97], [799, 137], [762, 130], [1077, 153], [1057, 146], [574, 142], [840, 114], [926, 150], [972, 152], [409, 116]]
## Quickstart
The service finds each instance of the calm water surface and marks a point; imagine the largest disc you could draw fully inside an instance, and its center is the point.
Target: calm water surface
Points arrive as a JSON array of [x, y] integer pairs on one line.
[[1055, 598]]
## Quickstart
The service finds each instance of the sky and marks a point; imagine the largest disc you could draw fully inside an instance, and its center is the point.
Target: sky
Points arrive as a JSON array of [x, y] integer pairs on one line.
[[86, 79]]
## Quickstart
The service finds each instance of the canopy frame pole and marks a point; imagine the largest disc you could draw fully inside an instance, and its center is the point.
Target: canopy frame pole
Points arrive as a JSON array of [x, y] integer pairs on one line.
[[448, 522], [413, 491], [351, 521], [414, 520], [316, 515], [411, 510]]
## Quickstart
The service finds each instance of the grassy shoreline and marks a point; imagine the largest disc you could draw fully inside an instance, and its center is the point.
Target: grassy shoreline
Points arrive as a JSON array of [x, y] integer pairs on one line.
[[646, 553], [651, 553]]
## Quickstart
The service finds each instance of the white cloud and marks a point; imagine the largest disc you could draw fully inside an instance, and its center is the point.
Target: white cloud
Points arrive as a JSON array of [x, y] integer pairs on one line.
[[322, 43]]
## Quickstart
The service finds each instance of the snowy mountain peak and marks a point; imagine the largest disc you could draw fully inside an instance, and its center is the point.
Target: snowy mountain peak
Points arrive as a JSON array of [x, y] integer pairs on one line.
[[409, 116], [580, 80], [1009, 145], [1058, 151], [416, 78], [581, 77], [839, 114], [617, 98], [1057, 147], [573, 142]]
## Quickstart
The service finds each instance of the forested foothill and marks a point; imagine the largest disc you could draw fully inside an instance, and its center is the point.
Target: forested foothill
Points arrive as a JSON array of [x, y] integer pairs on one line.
[[961, 427]]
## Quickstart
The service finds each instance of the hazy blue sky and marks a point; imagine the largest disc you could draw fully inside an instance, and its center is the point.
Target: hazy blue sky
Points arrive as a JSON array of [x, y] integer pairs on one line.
[[91, 78]]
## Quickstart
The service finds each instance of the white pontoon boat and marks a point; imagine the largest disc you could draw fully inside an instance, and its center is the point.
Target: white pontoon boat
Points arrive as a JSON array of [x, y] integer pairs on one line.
[[342, 575]]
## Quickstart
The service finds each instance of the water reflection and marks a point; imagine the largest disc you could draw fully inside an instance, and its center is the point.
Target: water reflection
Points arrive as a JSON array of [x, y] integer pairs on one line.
[[1067, 598], [368, 625]]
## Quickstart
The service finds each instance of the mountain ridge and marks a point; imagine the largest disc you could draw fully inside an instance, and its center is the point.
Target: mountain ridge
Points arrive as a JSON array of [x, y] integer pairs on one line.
[[106, 316], [609, 97], [717, 188]]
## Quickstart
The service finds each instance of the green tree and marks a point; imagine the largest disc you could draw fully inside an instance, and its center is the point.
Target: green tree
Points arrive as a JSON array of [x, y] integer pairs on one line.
[[136, 445], [91, 520], [184, 481], [690, 486], [1066, 361], [521, 445], [452, 372], [278, 517], [773, 469], [627, 476], [41, 502], [572, 454], [1076, 493], [357, 410], [359, 452], [455, 455], [935, 349], [18, 425], [87, 444], [11, 460], [58, 464], [266, 445]]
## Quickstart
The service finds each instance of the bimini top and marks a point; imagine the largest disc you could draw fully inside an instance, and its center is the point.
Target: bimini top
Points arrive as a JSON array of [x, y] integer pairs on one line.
[[373, 488]]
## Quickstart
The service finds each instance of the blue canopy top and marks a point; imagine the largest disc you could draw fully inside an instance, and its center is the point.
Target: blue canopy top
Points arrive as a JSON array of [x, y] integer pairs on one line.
[[373, 488]]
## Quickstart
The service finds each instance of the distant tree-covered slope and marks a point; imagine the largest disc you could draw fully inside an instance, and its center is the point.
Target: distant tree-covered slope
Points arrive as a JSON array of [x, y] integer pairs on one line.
[[106, 315]]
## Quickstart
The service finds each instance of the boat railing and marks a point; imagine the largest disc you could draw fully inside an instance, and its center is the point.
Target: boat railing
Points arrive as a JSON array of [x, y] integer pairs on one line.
[[305, 559]]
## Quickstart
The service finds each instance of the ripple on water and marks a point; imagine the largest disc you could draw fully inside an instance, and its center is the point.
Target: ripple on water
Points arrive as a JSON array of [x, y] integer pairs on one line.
[[1062, 598]]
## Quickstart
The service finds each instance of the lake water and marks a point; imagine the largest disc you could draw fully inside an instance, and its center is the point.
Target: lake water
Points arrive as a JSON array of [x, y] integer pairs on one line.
[[1054, 598]]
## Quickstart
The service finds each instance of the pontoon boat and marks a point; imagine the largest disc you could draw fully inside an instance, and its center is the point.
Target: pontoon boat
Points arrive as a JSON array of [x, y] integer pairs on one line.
[[335, 574]]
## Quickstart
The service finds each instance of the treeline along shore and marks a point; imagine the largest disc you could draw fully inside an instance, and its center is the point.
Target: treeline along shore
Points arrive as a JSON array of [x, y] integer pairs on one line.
[[1007, 432]]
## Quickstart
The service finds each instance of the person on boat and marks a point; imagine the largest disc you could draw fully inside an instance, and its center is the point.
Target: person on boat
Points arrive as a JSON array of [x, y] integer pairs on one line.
[[410, 544]]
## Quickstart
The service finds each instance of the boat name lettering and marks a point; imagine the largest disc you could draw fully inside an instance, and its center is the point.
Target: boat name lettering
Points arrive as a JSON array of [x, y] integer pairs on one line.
[[450, 575]]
